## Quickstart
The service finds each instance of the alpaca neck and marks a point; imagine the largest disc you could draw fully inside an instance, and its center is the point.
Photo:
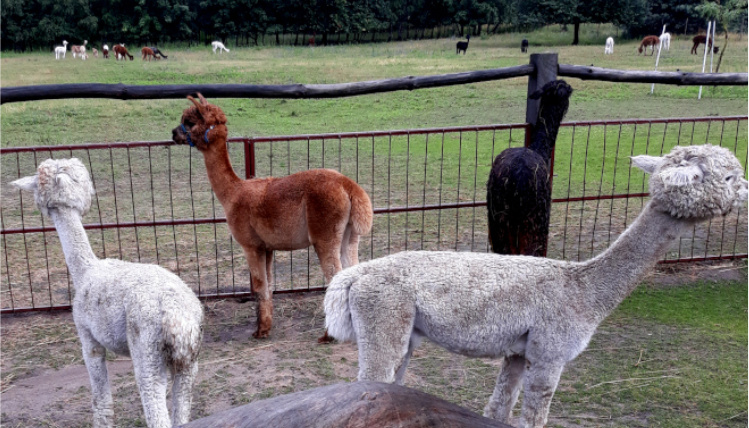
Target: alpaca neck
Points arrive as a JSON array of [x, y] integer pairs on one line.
[[75, 245], [220, 172], [616, 272], [546, 129]]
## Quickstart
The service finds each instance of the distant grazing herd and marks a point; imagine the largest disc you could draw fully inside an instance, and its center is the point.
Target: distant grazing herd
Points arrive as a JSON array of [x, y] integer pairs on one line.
[[149, 52]]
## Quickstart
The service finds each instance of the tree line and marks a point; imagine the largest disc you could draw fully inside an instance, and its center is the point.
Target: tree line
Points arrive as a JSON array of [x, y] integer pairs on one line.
[[41, 24]]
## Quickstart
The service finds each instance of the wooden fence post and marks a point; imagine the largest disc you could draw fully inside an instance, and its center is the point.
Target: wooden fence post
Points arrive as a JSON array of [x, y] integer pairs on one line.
[[545, 71]]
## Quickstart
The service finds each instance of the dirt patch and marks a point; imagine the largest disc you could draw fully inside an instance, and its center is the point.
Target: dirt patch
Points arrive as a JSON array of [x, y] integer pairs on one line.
[[44, 381]]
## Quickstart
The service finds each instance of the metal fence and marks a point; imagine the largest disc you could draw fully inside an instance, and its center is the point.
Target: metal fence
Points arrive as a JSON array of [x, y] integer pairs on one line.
[[154, 204]]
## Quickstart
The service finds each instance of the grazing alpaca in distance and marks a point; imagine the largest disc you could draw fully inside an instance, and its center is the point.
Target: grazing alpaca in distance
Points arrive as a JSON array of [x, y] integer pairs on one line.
[[120, 51], [666, 38], [146, 53], [700, 40], [319, 207], [220, 46], [534, 314], [95, 52], [518, 191], [134, 309], [462, 46], [524, 46], [651, 41], [105, 51], [79, 50], [609, 49], [157, 52], [60, 50], [84, 56]]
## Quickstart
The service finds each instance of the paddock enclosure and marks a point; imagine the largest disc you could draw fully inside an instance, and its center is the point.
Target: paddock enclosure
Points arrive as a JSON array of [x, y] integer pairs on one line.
[[154, 204]]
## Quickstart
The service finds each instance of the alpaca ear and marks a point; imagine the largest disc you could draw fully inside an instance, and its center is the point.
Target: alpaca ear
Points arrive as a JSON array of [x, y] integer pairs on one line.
[[26, 183], [197, 103], [646, 163]]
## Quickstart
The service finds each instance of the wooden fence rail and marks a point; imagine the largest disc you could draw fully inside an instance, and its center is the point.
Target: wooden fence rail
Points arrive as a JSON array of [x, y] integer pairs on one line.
[[145, 92]]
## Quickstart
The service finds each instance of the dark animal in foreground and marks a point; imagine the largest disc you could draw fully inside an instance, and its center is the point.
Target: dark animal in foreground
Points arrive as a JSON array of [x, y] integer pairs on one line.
[[462, 46], [518, 193], [157, 52], [700, 40], [651, 41], [524, 45], [347, 405]]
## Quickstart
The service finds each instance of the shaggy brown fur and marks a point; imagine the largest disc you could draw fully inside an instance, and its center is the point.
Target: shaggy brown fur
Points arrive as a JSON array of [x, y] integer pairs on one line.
[[319, 207], [651, 41], [120, 52], [147, 53], [700, 40]]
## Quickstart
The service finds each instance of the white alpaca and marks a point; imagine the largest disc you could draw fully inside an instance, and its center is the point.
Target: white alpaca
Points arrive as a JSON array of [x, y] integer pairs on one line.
[[60, 50], [666, 39], [534, 314], [218, 45], [609, 49], [134, 309], [80, 50]]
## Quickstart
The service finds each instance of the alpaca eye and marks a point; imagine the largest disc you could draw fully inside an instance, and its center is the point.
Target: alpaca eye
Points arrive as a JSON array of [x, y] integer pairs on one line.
[[729, 178], [189, 124]]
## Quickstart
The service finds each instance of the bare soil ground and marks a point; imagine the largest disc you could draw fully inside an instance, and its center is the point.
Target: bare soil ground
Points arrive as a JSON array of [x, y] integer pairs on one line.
[[44, 381]]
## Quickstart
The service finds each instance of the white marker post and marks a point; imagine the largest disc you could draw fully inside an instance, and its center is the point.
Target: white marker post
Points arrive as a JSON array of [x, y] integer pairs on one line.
[[658, 57], [712, 50], [704, 57]]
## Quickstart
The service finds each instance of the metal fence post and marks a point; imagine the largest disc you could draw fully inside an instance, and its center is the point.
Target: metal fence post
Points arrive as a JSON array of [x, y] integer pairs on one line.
[[545, 71], [249, 158]]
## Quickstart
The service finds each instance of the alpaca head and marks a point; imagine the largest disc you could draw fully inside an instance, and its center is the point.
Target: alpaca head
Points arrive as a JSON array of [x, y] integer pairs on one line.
[[556, 92], [201, 125], [695, 182], [64, 42], [59, 183]]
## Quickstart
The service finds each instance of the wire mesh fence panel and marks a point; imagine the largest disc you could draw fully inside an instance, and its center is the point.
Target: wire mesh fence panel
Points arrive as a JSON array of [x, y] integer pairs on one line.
[[154, 203]]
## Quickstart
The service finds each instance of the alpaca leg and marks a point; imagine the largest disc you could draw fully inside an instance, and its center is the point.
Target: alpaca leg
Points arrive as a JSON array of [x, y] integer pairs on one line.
[[182, 394], [412, 344], [151, 377], [93, 356], [329, 254], [507, 389], [352, 250], [541, 381], [261, 288], [384, 323]]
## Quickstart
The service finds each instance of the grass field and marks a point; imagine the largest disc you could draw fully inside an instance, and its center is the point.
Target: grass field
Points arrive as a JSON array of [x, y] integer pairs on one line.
[[667, 357]]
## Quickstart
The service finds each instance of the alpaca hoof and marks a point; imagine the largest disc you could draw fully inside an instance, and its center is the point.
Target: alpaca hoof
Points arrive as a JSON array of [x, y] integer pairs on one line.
[[260, 334]]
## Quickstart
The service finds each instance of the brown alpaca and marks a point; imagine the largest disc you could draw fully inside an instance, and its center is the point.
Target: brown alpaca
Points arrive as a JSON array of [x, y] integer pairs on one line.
[[319, 207], [120, 52], [700, 40], [146, 53], [651, 41]]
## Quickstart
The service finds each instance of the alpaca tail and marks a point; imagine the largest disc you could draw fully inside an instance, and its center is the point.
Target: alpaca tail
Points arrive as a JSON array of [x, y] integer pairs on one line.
[[337, 310], [361, 210], [182, 328]]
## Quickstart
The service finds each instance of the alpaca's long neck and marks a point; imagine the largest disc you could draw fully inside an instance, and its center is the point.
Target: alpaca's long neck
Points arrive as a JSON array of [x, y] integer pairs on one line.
[[616, 272], [75, 245], [220, 172], [545, 131]]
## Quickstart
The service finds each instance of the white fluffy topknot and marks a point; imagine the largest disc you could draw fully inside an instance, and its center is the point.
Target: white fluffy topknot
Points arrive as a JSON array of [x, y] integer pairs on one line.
[[59, 183]]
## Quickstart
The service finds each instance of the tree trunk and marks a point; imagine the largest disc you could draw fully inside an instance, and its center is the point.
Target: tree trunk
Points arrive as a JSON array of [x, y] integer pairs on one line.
[[349, 405], [722, 51], [576, 40]]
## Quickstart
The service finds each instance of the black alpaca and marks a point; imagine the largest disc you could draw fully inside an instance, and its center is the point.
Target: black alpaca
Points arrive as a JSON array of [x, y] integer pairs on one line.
[[524, 45], [156, 51], [462, 46], [519, 192]]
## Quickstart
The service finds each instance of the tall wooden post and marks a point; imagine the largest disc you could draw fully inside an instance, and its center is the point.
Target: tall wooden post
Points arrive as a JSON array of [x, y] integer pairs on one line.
[[545, 66]]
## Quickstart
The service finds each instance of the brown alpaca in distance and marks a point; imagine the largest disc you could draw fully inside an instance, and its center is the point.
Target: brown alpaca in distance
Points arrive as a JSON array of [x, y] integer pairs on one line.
[[120, 52], [700, 40], [651, 41], [146, 53], [319, 207]]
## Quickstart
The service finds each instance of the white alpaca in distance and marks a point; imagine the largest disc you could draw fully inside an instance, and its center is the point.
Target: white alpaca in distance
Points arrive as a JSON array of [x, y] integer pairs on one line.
[[135, 309], [61, 50], [609, 49], [218, 45], [534, 314]]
